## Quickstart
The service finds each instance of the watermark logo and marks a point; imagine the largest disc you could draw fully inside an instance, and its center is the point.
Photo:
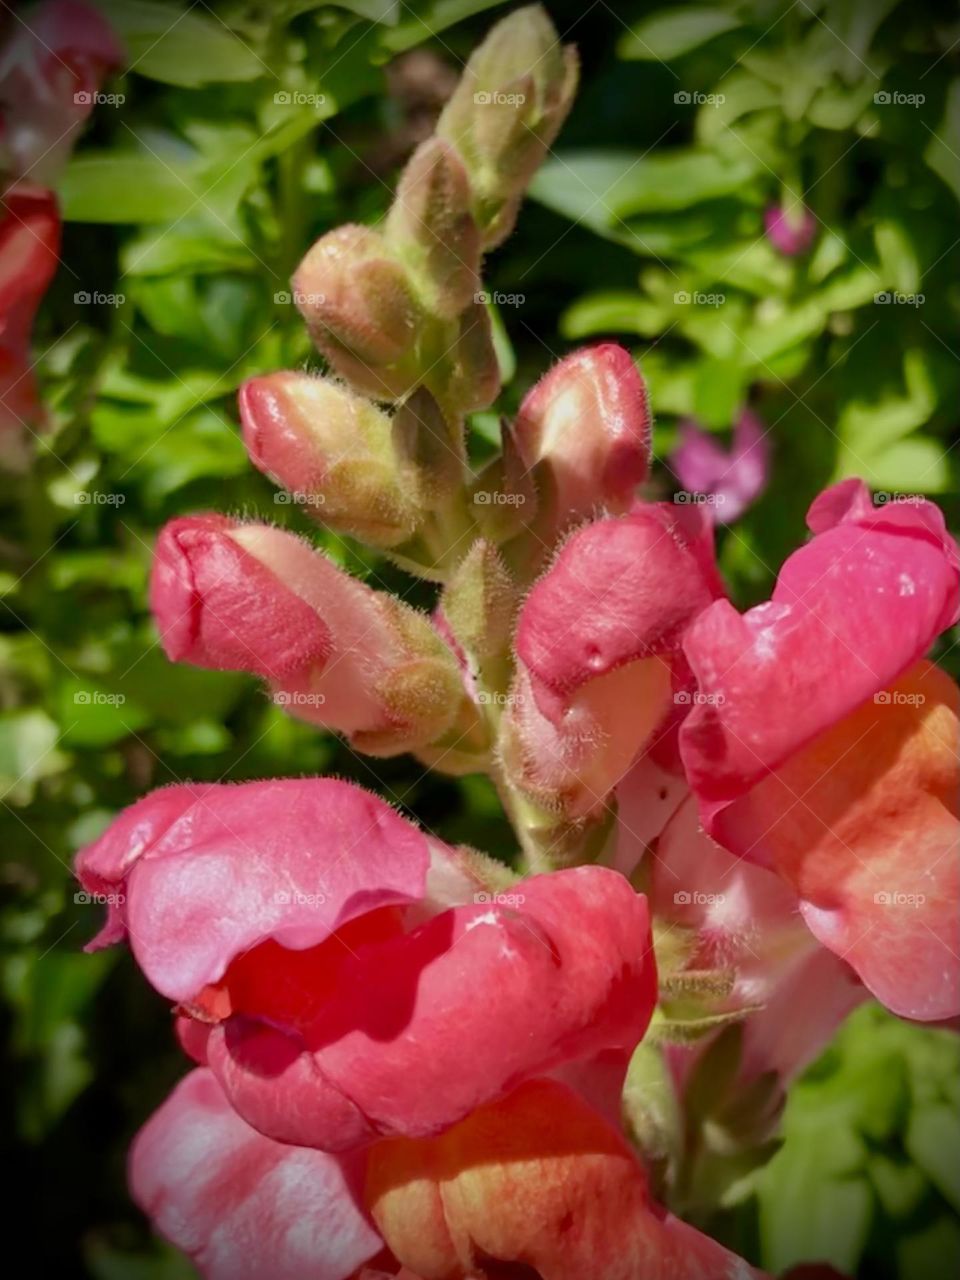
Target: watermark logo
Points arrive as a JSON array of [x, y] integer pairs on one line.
[[83, 298], [97, 498], [296, 898], [690, 498], [693, 98], [496, 98], [499, 699], [895, 698], [494, 498], [299, 499], [500, 299], [894, 898], [694, 698], [490, 899], [96, 698], [297, 698], [284, 297], [884, 497], [84, 899], [697, 299], [694, 898], [297, 98], [94, 98], [897, 299], [886, 98]]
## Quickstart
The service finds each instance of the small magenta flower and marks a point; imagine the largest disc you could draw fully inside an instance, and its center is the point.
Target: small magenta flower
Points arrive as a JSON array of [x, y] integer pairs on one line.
[[791, 231], [730, 479]]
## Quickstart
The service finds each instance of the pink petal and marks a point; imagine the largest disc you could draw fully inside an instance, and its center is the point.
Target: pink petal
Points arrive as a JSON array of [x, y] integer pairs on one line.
[[242, 1206], [209, 872], [587, 422], [852, 610], [566, 973]]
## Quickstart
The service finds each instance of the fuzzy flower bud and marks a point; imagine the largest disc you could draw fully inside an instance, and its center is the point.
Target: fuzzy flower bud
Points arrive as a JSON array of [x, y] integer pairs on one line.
[[585, 427], [506, 111], [432, 230], [334, 451], [360, 309], [248, 597]]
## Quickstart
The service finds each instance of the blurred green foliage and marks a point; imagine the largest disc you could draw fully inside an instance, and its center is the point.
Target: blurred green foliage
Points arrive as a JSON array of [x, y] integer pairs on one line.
[[249, 129]]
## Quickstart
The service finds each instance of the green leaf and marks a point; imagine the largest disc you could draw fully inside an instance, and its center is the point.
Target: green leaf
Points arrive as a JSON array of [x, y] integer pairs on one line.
[[806, 1214], [186, 47], [91, 715], [28, 753], [673, 32], [933, 1140], [602, 188], [943, 150]]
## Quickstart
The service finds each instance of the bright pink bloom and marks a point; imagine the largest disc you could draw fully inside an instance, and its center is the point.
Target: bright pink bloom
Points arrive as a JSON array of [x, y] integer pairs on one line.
[[333, 955], [730, 480], [791, 231], [601, 631], [29, 248], [812, 752], [250, 597], [584, 430], [50, 71], [241, 1205]]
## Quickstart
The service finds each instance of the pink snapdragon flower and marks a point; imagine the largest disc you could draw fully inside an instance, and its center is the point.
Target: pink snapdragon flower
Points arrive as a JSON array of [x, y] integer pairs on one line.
[[29, 247], [326, 957], [820, 745], [791, 231], [730, 480], [51, 69]]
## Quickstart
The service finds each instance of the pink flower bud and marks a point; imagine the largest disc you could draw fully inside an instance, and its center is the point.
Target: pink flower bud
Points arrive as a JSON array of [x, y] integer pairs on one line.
[[599, 631], [334, 451], [50, 71], [29, 244], [248, 597], [360, 308], [730, 480], [790, 230], [585, 427]]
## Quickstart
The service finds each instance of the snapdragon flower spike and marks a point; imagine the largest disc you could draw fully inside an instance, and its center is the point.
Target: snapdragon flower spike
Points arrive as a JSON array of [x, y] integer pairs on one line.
[[538, 1180], [325, 956], [506, 111], [50, 69], [584, 430], [29, 248], [241, 1205], [731, 479], [601, 631], [250, 597], [334, 451], [822, 746]]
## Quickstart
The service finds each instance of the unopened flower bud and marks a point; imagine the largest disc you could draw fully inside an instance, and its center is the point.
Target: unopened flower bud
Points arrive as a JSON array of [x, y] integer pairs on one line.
[[599, 631], [249, 597], [360, 308], [513, 97], [431, 228], [585, 427], [334, 451]]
